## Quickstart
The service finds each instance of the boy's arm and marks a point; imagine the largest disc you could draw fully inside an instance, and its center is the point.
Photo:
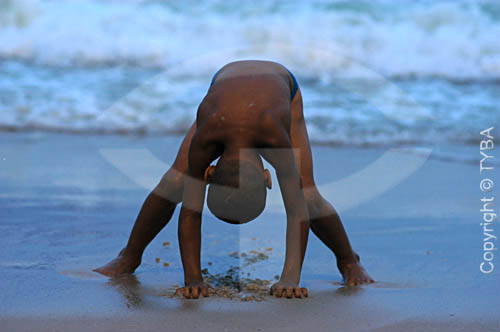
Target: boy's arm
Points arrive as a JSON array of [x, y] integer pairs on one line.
[[189, 228], [282, 158]]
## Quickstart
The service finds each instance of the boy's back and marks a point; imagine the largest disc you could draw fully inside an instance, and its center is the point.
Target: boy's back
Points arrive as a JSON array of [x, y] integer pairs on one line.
[[244, 99]]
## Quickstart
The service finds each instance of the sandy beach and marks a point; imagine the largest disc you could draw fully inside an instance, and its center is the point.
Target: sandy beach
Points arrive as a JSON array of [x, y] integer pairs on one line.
[[65, 208]]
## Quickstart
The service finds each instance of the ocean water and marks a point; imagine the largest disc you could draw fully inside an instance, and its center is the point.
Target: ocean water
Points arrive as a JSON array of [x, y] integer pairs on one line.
[[371, 72]]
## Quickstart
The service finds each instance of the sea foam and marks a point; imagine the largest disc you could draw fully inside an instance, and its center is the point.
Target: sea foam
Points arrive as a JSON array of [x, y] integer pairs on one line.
[[371, 72], [455, 40]]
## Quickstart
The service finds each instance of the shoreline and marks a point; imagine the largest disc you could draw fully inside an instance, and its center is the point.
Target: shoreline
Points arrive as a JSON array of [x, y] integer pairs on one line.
[[143, 133], [138, 134]]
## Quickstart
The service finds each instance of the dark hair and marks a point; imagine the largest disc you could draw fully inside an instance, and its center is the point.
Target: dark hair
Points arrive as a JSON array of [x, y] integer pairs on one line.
[[237, 192]]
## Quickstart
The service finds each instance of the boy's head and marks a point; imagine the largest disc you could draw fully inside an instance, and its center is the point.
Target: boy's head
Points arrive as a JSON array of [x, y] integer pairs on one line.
[[237, 190]]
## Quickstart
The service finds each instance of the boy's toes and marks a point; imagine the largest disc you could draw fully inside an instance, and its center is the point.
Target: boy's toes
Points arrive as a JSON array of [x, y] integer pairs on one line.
[[353, 282]]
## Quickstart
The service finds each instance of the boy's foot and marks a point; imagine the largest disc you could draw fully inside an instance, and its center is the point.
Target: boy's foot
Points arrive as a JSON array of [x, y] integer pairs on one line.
[[354, 273], [120, 265]]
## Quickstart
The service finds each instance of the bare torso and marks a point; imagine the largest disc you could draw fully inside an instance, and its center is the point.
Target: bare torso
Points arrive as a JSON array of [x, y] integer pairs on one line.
[[247, 103]]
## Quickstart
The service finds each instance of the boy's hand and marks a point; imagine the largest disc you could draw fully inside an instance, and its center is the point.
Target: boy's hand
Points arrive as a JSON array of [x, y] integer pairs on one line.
[[193, 290], [297, 218], [288, 289]]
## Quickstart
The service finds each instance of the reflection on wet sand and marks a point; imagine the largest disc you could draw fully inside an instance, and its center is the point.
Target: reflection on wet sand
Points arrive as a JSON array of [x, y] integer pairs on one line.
[[130, 287]]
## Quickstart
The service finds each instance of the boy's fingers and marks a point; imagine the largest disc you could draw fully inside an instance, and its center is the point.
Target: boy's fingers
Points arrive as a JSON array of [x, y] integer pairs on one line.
[[289, 292], [195, 292], [304, 291], [204, 291], [298, 293], [186, 292]]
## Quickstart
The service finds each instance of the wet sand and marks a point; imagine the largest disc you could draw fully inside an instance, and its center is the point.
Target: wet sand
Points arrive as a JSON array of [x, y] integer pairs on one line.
[[64, 209]]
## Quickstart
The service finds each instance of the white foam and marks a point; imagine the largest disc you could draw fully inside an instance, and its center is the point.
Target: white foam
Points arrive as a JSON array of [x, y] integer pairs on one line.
[[76, 73], [457, 40]]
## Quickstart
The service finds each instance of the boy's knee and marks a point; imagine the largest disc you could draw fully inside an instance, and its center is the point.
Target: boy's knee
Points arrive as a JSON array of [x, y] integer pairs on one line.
[[171, 185], [313, 198], [319, 207]]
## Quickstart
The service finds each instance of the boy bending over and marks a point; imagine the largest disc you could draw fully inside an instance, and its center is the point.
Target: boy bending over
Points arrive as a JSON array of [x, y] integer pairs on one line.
[[253, 109]]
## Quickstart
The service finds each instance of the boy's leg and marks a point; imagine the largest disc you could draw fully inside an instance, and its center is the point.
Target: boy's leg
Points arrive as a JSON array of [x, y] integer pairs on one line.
[[325, 221], [154, 215]]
